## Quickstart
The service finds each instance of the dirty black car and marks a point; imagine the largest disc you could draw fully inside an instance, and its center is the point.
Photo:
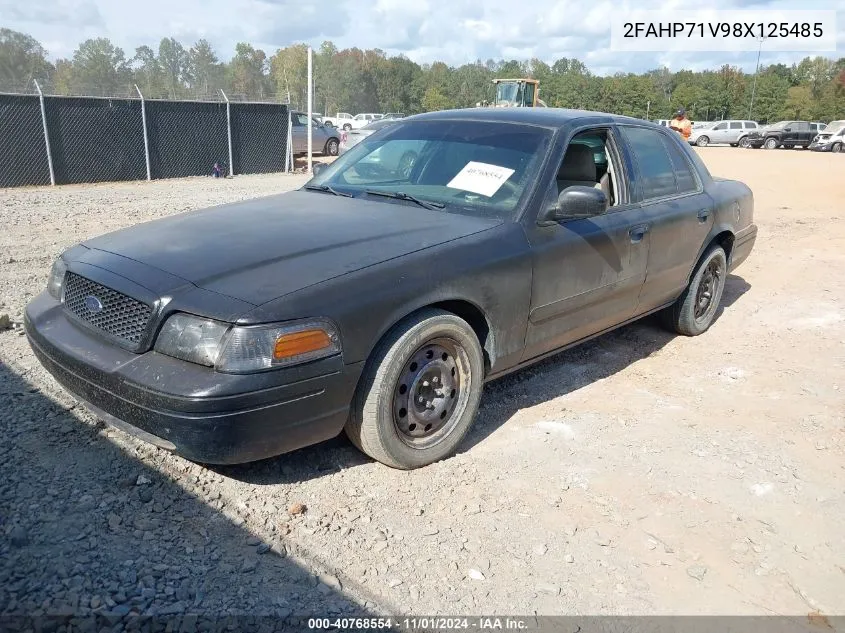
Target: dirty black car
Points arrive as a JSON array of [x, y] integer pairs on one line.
[[380, 296]]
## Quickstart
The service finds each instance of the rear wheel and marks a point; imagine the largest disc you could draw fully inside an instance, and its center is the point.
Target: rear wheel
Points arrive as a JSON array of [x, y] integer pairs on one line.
[[702, 141], [770, 143], [420, 391], [695, 310], [332, 147], [743, 142]]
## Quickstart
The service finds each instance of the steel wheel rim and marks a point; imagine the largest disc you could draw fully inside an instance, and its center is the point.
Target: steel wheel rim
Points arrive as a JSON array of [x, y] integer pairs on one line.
[[703, 141], [771, 144], [406, 164], [836, 148], [743, 142], [431, 393], [708, 289]]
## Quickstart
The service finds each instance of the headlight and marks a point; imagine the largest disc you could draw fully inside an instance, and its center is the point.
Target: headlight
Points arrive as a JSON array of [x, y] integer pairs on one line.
[[57, 277], [191, 338], [244, 349]]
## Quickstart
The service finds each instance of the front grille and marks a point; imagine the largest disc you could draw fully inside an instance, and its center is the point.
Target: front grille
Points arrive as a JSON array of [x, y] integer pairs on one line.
[[122, 317]]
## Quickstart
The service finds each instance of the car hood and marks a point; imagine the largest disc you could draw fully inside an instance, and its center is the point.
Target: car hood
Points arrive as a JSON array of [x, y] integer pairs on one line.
[[262, 249]]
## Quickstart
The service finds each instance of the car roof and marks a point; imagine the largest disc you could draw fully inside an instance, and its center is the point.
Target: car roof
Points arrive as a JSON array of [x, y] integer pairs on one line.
[[546, 117]]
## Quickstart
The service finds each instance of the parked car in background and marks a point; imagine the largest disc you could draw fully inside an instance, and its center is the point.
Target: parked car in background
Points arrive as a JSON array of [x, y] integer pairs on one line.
[[338, 119], [382, 303], [731, 132], [325, 139], [360, 120], [785, 134], [394, 115], [830, 139], [350, 138]]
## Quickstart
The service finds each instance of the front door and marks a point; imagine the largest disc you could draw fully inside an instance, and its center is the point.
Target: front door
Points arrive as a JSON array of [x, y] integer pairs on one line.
[[719, 133], [675, 206], [587, 272], [299, 132]]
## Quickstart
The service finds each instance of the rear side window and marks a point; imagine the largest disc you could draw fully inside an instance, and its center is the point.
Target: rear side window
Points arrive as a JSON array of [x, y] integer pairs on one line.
[[657, 173], [683, 173], [750, 125], [736, 125]]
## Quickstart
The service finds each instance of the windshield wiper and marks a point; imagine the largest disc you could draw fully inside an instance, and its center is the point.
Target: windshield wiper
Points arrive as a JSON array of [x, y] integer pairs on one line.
[[399, 195], [328, 189]]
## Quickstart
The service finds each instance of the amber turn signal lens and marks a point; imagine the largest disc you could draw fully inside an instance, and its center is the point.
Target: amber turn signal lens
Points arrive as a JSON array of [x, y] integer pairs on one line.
[[297, 343]]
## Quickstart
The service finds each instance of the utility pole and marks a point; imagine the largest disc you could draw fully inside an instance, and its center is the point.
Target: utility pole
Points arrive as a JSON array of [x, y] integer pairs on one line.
[[756, 71], [310, 108]]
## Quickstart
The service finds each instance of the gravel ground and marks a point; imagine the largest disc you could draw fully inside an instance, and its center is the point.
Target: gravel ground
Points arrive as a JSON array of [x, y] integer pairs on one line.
[[641, 473]]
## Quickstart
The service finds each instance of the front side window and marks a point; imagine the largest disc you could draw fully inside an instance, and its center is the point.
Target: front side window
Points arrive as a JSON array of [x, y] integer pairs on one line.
[[721, 126], [471, 167]]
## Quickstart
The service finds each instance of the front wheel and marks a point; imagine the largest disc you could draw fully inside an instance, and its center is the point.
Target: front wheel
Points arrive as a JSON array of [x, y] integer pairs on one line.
[[419, 394], [695, 310], [347, 127], [837, 147], [770, 143], [703, 141]]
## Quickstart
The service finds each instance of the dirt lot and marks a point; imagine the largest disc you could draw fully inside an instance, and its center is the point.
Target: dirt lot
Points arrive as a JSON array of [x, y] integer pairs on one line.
[[640, 473]]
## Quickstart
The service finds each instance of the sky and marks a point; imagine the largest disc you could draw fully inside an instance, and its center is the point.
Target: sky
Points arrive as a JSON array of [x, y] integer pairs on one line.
[[453, 31]]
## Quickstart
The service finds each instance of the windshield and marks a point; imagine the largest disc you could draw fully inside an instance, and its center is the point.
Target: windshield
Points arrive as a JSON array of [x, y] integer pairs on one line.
[[779, 125], [833, 127], [470, 167], [508, 93]]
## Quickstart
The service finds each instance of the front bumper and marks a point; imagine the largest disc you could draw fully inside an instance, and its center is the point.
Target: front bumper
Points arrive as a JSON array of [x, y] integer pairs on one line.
[[821, 147], [756, 142], [203, 415]]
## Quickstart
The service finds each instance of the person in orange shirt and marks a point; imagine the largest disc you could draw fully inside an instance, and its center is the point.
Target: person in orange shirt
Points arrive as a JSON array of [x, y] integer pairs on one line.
[[681, 124]]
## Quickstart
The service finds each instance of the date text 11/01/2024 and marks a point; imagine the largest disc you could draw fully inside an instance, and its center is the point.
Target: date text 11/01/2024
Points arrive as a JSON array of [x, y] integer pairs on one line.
[[724, 29]]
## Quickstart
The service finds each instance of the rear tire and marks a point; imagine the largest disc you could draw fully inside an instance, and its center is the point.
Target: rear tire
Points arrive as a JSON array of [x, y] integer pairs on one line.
[[743, 142], [695, 310], [332, 146], [419, 393]]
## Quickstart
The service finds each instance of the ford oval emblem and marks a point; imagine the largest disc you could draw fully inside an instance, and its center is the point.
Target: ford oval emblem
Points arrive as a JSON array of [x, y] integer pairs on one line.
[[93, 304]]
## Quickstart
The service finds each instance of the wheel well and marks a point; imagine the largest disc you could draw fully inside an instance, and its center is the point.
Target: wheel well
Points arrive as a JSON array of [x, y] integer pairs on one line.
[[725, 239], [477, 321]]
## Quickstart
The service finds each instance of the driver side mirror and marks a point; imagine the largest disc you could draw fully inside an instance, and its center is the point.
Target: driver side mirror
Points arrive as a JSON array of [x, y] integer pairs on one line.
[[787, 129], [316, 168], [576, 203]]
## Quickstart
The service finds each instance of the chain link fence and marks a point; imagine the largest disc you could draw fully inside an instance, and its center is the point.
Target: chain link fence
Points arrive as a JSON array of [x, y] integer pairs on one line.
[[68, 140]]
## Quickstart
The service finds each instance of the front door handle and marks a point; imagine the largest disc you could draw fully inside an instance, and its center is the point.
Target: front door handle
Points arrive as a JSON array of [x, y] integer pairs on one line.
[[703, 215], [637, 232]]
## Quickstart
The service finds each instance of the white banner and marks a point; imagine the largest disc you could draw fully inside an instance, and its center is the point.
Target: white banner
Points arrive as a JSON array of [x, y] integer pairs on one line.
[[715, 30]]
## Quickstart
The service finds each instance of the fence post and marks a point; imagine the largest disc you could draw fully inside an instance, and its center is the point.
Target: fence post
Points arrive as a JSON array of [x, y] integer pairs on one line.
[[229, 131], [289, 148], [46, 134], [144, 123]]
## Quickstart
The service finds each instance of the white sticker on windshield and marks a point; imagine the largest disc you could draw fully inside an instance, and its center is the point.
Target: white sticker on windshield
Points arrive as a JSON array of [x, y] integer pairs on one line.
[[481, 178]]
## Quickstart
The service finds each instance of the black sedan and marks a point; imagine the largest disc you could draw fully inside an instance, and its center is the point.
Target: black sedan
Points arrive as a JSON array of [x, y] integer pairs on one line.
[[379, 299]]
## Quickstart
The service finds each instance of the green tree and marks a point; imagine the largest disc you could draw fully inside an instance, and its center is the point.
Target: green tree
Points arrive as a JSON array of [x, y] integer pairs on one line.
[[434, 100], [149, 76], [173, 60], [22, 59], [203, 70], [100, 68]]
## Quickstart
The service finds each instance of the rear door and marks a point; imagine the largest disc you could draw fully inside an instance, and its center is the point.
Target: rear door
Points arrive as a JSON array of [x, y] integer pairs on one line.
[[676, 210], [734, 131]]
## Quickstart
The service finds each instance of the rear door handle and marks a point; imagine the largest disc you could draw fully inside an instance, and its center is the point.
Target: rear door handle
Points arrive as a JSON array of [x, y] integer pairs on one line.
[[637, 232], [703, 215]]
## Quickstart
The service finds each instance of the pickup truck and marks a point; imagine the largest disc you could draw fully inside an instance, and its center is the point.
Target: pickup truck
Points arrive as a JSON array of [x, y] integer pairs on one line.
[[380, 297], [785, 134]]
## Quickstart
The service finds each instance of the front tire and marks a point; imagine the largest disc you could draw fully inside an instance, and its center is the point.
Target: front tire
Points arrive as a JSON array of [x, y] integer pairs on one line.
[[837, 147], [770, 143], [702, 141], [419, 393], [346, 127], [695, 310]]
